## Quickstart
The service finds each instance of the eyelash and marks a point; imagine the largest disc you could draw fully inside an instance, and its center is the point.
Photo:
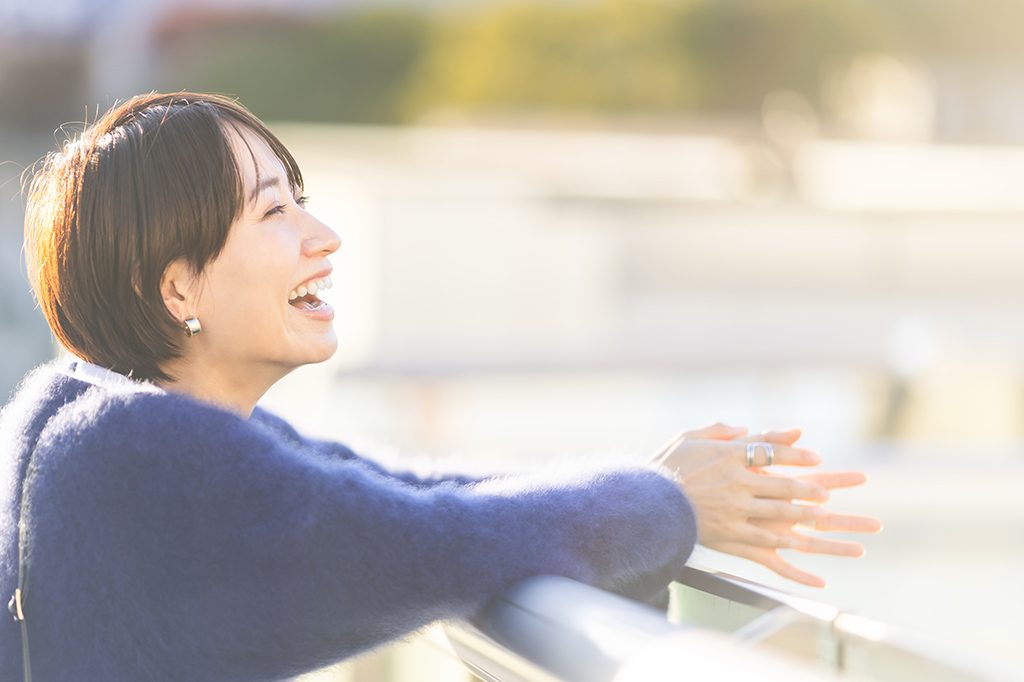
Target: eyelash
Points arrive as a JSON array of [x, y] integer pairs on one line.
[[301, 201]]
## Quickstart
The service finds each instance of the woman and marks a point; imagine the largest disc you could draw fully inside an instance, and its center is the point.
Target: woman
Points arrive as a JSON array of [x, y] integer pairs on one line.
[[173, 530]]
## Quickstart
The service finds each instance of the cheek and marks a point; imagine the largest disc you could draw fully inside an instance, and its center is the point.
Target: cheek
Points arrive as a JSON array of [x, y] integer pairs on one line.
[[247, 288], [251, 293]]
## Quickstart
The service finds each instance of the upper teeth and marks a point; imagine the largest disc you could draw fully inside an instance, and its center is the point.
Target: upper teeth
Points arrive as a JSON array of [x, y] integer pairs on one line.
[[310, 287]]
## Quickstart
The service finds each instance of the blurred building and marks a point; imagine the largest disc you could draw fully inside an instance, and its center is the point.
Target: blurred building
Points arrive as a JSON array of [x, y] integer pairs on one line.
[[471, 252]]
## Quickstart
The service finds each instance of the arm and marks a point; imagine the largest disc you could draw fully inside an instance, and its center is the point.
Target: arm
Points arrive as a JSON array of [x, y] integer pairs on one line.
[[342, 451], [279, 562]]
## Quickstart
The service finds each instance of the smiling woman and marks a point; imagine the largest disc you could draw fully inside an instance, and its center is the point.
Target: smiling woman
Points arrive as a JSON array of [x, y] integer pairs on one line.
[[156, 524], [177, 201], [279, 251]]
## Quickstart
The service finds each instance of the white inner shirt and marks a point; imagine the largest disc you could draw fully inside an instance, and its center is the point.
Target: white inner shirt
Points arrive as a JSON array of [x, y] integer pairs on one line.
[[101, 376]]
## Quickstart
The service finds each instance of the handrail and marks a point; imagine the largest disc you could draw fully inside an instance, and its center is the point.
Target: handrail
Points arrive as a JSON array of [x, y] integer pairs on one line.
[[553, 629]]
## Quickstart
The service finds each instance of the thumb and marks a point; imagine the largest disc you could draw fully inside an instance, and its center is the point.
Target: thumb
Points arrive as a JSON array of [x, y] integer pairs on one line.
[[717, 431]]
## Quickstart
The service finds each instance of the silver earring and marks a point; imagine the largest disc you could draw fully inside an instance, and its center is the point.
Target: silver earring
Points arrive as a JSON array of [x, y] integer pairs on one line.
[[192, 327]]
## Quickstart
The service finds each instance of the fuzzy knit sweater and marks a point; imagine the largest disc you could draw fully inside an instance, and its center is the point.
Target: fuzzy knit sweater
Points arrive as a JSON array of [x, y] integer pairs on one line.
[[170, 539]]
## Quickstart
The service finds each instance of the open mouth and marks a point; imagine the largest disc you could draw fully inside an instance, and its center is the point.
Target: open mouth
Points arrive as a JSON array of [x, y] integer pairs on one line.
[[305, 296], [307, 302]]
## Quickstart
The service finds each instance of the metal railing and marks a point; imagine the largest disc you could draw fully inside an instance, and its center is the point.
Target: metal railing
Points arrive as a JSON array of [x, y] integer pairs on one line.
[[552, 629]]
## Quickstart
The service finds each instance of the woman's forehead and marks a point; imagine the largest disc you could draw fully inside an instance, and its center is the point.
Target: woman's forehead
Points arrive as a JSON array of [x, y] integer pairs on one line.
[[255, 159]]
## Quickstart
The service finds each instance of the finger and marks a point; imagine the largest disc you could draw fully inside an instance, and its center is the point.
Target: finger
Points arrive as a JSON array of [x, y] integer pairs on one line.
[[836, 479], [855, 523], [813, 545], [784, 437], [785, 511], [771, 559], [783, 527], [788, 570], [784, 488], [784, 455], [717, 431], [751, 534]]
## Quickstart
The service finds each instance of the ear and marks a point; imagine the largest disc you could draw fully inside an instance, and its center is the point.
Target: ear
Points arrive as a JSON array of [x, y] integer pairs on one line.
[[177, 288]]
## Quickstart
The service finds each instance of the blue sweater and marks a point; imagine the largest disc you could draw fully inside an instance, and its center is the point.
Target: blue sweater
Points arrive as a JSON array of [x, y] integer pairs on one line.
[[174, 540]]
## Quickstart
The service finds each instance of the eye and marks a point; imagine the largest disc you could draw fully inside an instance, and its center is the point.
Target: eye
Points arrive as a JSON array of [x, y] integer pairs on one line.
[[280, 208]]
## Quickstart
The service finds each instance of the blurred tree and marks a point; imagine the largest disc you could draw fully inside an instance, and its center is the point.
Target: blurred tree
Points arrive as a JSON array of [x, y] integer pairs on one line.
[[354, 67], [747, 49], [662, 57], [611, 56]]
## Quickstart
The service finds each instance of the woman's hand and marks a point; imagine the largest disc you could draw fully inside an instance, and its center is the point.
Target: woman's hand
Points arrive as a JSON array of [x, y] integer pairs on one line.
[[751, 513]]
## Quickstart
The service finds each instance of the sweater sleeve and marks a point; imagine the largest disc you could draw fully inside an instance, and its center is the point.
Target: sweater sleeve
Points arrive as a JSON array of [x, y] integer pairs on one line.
[[246, 560], [340, 450]]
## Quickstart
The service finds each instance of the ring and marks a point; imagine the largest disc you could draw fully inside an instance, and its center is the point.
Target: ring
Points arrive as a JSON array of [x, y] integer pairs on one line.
[[769, 454]]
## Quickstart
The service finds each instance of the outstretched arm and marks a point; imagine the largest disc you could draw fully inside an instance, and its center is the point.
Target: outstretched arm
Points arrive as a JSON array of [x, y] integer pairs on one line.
[[279, 562]]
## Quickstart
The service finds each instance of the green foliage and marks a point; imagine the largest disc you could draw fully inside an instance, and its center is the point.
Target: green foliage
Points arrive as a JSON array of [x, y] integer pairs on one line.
[[604, 56], [352, 68], [613, 56]]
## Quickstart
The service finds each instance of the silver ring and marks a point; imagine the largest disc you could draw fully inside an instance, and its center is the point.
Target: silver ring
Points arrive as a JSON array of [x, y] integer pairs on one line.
[[769, 454]]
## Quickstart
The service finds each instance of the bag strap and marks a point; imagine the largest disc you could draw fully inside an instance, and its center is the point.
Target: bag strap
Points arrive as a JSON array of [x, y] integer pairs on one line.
[[16, 606]]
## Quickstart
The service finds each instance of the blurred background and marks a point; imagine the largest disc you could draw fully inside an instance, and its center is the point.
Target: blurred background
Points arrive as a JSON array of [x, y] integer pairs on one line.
[[573, 228]]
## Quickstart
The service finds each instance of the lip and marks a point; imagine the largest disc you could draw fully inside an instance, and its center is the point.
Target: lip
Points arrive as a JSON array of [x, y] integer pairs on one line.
[[324, 313]]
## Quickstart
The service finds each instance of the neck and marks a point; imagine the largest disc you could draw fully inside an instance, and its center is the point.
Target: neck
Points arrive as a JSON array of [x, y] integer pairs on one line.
[[233, 386]]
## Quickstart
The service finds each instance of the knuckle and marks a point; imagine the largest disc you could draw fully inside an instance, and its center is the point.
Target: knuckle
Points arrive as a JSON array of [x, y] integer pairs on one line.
[[794, 511], [787, 511], [734, 506], [811, 491]]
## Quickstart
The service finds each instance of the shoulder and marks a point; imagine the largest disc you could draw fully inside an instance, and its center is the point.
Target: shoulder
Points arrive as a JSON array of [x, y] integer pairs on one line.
[[152, 434], [98, 411]]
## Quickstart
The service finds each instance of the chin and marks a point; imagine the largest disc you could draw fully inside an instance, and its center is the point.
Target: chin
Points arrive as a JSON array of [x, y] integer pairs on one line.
[[323, 352]]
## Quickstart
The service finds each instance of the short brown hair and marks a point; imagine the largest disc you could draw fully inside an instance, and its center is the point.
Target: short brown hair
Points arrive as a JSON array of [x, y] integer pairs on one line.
[[151, 181]]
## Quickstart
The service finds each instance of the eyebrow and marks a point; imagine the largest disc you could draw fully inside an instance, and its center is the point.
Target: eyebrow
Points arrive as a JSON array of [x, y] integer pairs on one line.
[[266, 182]]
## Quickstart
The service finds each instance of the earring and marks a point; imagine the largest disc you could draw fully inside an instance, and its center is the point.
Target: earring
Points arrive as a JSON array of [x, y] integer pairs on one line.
[[192, 327]]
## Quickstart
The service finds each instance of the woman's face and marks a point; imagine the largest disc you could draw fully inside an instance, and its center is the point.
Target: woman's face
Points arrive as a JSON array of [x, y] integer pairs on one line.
[[274, 250]]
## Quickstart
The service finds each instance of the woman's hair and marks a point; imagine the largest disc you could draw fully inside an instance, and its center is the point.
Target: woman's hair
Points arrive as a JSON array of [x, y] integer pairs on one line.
[[151, 181]]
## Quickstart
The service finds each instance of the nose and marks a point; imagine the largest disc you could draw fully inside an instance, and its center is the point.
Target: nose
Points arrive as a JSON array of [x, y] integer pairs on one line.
[[320, 239]]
